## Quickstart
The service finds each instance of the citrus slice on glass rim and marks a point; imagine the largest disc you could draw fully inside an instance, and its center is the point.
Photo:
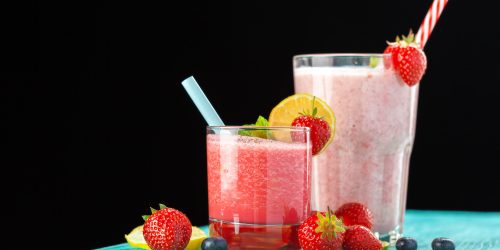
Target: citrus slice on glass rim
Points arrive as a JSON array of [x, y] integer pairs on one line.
[[290, 108]]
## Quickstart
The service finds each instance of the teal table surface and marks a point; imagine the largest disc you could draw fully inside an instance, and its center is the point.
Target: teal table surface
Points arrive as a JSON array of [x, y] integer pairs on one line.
[[469, 230]]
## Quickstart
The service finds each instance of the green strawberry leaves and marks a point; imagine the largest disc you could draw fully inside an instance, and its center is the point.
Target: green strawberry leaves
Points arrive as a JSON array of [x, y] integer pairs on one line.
[[145, 217]]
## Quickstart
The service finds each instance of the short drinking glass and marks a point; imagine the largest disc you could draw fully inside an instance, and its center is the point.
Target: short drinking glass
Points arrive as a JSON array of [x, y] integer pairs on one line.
[[258, 184]]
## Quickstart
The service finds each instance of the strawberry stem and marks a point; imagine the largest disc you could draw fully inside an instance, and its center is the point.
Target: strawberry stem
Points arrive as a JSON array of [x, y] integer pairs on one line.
[[329, 225], [314, 110]]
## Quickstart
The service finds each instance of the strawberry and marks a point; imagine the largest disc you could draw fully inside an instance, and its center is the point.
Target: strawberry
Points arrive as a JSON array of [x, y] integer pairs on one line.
[[408, 59], [354, 213], [166, 228], [320, 130], [321, 231], [359, 237]]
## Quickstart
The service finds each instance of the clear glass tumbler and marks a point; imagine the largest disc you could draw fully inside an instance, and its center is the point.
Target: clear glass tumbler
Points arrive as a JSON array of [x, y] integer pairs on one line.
[[258, 185], [375, 126]]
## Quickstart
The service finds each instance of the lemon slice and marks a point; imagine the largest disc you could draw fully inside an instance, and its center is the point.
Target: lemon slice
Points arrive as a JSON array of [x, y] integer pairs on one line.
[[197, 236], [136, 239], [287, 110]]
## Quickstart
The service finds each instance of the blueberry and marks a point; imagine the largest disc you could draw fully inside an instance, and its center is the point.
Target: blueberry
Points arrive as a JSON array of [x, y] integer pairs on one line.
[[406, 243], [443, 244], [214, 244]]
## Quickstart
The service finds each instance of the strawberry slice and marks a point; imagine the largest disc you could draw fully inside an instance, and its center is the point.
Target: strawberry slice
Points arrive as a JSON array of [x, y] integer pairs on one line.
[[408, 58]]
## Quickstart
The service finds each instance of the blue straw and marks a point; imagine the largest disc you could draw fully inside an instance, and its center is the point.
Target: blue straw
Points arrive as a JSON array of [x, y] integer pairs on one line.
[[201, 101]]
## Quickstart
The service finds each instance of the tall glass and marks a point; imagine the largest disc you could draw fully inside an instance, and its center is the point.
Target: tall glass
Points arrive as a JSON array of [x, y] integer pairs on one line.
[[259, 185], [375, 126]]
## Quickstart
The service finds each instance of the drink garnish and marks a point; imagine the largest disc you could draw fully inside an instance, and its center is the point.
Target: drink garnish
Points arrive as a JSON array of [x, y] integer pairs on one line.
[[305, 110], [408, 59], [373, 61], [261, 122]]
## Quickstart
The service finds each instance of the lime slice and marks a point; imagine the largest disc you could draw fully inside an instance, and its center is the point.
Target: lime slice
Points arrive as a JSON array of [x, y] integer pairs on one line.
[[197, 236], [287, 110], [136, 239]]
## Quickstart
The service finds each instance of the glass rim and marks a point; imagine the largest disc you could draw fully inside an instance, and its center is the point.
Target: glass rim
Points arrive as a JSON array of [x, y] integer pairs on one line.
[[234, 127], [331, 55]]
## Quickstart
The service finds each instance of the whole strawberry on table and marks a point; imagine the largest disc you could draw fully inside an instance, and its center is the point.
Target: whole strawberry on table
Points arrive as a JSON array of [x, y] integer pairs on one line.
[[166, 228], [348, 228]]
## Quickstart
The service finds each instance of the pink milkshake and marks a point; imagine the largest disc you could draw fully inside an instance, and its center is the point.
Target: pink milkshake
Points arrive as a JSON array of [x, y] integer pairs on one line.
[[368, 159]]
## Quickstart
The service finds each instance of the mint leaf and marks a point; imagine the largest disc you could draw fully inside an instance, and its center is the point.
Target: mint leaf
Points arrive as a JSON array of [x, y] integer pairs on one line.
[[245, 131], [261, 122], [373, 62]]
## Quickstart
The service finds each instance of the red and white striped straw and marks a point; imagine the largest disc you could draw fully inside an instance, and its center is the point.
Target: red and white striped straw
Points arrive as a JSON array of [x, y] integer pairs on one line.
[[430, 21]]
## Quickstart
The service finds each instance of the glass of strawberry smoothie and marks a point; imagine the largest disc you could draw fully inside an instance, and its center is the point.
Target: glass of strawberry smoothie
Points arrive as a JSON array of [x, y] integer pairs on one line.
[[258, 185], [375, 111]]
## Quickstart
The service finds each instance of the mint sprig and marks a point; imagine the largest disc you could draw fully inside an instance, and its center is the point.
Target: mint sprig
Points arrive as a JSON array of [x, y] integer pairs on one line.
[[373, 62], [261, 122]]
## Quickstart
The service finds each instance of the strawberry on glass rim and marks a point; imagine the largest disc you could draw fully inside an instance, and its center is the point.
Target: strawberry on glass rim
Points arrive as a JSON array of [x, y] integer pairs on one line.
[[320, 129], [305, 110], [408, 58]]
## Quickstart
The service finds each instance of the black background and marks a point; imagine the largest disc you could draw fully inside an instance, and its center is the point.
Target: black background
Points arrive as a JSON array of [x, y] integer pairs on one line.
[[99, 127]]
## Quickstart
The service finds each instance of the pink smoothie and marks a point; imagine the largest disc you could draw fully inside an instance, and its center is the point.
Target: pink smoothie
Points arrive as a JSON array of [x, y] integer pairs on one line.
[[257, 181], [369, 157]]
